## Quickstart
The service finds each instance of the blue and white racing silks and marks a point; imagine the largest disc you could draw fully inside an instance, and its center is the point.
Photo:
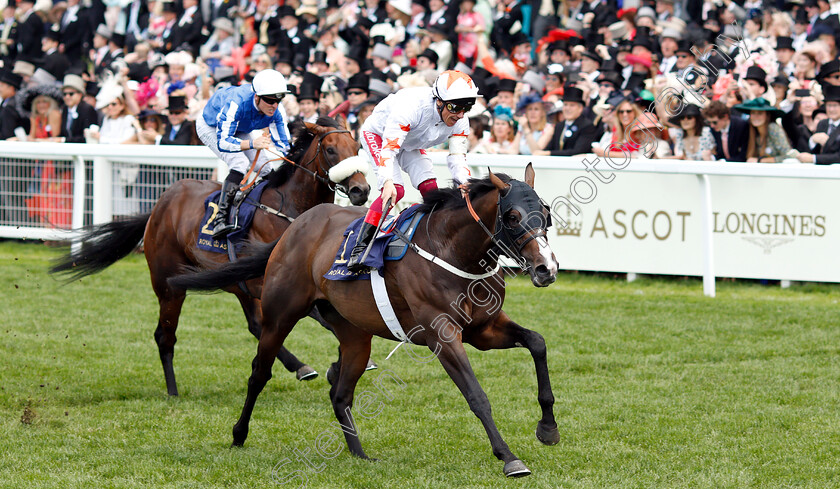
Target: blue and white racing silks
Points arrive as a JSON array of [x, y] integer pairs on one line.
[[233, 110]]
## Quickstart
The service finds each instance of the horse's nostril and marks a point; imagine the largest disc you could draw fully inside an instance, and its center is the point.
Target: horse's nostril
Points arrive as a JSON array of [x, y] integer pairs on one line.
[[542, 270]]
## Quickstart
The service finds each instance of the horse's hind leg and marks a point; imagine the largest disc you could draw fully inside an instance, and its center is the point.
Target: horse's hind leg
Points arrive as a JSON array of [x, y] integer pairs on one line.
[[278, 318], [170, 303], [505, 333], [251, 309]]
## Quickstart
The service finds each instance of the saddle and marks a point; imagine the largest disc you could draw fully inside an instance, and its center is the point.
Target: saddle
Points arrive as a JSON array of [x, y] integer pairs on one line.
[[387, 245], [244, 207]]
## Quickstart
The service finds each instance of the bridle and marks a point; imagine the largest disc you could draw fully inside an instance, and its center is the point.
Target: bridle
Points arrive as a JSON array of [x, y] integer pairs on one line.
[[333, 186], [507, 240]]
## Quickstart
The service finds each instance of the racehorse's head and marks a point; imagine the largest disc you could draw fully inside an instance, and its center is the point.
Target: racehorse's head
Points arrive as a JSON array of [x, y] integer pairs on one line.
[[339, 158], [521, 227]]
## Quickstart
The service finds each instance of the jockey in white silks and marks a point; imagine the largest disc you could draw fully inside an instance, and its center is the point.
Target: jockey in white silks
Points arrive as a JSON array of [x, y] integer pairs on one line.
[[396, 136]]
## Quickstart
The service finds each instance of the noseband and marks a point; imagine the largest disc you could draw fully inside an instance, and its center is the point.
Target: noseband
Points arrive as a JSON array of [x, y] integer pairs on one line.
[[511, 240]]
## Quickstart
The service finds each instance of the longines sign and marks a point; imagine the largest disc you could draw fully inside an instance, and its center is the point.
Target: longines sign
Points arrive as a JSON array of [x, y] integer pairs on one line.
[[774, 228]]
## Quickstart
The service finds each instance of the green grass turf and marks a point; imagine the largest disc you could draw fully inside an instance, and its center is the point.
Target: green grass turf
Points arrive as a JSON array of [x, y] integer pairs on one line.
[[656, 386]]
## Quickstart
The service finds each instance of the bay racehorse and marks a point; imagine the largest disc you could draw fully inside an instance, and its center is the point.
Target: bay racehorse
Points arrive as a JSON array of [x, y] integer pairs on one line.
[[430, 292], [323, 154]]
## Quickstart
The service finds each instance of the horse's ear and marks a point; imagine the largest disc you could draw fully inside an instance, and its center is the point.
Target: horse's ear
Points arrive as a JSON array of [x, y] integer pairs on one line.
[[312, 128], [498, 181], [342, 121], [530, 175]]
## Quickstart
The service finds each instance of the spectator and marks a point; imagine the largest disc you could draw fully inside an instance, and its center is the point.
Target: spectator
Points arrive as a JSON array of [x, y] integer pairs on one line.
[[118, 125], [29, 32], [10, 117], [41, 103], [53, 61], [502, 134], [577, 133], [731, 134], [692, 139], [534, 130], [221, 43], [826, 141], [767, 141], [150, 128], [621, 145], [76, 115], [469, 27], [8, 35]]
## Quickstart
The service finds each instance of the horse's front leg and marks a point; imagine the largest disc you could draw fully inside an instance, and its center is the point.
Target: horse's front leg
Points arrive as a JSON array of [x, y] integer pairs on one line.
[[504, 333], [454, 359]]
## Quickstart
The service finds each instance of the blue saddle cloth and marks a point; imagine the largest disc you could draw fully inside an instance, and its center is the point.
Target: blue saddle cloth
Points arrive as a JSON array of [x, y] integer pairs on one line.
[[243, 215], [380, 250]]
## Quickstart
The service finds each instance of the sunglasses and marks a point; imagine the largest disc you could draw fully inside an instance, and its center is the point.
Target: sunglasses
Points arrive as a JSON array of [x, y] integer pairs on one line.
[[682, 56], [457, 109], [273, 100], [355, 92], [625, 111], [69, 94]]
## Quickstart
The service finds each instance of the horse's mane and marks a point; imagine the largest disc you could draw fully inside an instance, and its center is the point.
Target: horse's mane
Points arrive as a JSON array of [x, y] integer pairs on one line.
[[302, 139], [450, 198]]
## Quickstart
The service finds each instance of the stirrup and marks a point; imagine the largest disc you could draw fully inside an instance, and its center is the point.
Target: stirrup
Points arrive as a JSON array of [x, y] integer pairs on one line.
[[224, 230]]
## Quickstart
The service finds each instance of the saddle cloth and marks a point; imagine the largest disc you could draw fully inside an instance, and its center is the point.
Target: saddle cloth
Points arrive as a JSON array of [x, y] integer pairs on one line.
[[385, 246], [242, 213]]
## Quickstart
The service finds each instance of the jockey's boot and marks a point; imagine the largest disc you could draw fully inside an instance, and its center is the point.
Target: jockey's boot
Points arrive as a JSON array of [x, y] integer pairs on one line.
[[354, 264], [220, 225]]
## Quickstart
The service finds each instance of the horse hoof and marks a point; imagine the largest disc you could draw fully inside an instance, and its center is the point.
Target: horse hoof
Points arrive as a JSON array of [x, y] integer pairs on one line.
[[371, 365], [515, 468], [237, 444], [548, 436], [306, 373]]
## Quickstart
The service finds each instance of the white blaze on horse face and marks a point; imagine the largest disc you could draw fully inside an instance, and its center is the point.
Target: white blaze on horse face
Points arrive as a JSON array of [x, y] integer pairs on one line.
[[548, 256]]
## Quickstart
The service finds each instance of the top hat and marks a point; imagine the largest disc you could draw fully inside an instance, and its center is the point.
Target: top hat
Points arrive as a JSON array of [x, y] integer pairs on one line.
[[359, 81], [831, 93], [319, 57], [118, 40], [170, 7], [310, 87], [431, 55], [358, 52], [756, 73], [53, 34], [593, 56], [613, 77], [784, 42], [176, 103], [285, 10], [506, 85], [9, 78], [573, 94], [828, 68], [519, 38]]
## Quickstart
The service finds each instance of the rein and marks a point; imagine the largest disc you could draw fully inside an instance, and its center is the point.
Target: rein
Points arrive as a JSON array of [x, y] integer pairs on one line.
[[326, 181]]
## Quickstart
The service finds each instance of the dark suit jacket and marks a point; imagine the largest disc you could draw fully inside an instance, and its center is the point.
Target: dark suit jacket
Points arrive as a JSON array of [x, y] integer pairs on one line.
[[29, 38], [582, 134], [87, 116], [10, 118], [189, 35], [56, 64], [76, 36], [186, 135], [738, 138], [829, 153]]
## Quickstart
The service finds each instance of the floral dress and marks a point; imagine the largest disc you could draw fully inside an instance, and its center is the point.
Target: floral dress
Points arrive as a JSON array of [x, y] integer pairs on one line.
[[707, 143]]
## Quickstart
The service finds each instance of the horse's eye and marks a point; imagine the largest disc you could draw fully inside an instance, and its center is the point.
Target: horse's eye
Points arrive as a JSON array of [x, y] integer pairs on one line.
[[330, 151], [513, 219]]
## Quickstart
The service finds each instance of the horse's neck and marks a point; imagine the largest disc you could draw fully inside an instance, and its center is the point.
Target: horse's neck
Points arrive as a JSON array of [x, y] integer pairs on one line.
[[462, 240], [300, 193]]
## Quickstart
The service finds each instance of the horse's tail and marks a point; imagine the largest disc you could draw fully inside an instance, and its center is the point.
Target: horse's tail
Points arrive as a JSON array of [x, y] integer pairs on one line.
[[250, 267], [102, 246]]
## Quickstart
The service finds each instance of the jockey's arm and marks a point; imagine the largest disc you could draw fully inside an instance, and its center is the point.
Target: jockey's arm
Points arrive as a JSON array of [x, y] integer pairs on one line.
[[396, 129], [459, 144]]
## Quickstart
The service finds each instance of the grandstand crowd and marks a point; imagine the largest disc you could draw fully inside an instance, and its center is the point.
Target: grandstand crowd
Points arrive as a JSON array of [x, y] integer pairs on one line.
[[755, 81]]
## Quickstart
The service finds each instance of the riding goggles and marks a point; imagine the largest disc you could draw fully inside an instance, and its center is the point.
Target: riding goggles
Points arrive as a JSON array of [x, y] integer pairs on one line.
[[457, 108], [274, 98]]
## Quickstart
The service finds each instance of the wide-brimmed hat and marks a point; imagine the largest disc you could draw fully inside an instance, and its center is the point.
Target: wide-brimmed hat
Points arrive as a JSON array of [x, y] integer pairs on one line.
[[75, 82], [530, 99], [690, 110], [431, 55], [761, 104], [646, 121], [150, 113], [27, 96], [23, 68], [224, 24]]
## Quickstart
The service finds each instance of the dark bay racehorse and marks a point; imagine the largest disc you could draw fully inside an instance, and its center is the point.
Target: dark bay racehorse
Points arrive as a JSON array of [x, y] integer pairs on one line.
[[170, 231], [507, 215]]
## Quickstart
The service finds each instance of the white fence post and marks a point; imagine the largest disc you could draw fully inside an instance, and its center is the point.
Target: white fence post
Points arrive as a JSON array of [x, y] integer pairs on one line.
[[103, 200], [708, 236]]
